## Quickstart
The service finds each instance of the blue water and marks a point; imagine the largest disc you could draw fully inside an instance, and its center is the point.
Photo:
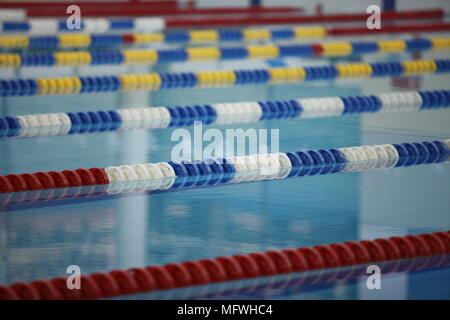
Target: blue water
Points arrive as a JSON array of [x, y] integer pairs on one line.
[[39, 240]]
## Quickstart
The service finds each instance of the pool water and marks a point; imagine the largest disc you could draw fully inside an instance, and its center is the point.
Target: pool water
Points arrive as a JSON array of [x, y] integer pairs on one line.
[[41, 239]]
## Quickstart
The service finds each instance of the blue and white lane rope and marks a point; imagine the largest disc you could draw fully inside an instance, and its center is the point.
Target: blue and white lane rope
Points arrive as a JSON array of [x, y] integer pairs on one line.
[[173, 175], [155, 56], [258, 167], [51, 124], [47, 26], [218, 78]]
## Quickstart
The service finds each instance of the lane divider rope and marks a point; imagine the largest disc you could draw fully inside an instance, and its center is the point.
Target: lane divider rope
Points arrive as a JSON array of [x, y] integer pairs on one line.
[[155, 56], [48, 26], [217, 78], [52, 124], [139, 9], [232, 268], [85, 40], [143, 24], [303, 282], [257, 167], [218, 172]]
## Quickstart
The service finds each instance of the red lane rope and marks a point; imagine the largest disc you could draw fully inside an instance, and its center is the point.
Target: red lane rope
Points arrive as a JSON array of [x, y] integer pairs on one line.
[[299, 282], [325, 18], [157, 4], [433, 27], [105, 9], [241, 266], [53, 179]]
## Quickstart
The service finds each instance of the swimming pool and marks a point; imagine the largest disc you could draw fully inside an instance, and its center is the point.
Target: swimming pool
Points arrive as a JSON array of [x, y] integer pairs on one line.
[[40, 239]]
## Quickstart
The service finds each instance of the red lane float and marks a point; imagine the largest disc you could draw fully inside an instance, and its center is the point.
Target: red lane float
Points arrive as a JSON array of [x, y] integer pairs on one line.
[[255, 14], [429, 27], [299, 283], [127, 8], [301, 19], [241, 266], [52, 179]]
